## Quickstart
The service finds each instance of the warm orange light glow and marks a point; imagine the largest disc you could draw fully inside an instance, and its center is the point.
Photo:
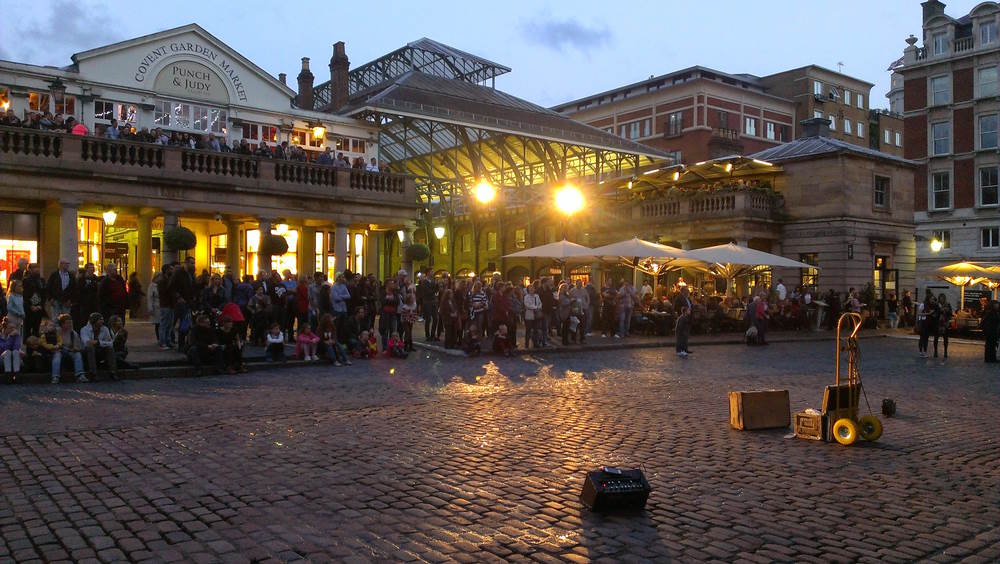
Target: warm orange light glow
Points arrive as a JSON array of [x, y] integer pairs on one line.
[[484, 191], [569, 199]]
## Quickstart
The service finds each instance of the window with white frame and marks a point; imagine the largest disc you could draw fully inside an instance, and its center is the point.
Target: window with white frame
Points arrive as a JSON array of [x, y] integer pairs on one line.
[[255, 133], [191, 117], [636, 129], [847, 126], [675, 123], [899, 139], [987, 32], [44, 102], [987, 78], [941, 190], [817, 114], [861, 129], [769, 130], [940, 42], [750, 126], [991, 237], [943, 236], [940, 90], [880, 192], [861, 101], [888, 137], [833, 122], [105, 111], [988, 186], [817, 88], [847, 97], [988, 131], [941, 137]]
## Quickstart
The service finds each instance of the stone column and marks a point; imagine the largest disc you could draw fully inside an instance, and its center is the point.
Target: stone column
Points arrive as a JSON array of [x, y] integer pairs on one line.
[[170, 221], [406, 264], [263, 230], [306, 252], [233, 248], [144, 251], [340, 244], [69, 233]]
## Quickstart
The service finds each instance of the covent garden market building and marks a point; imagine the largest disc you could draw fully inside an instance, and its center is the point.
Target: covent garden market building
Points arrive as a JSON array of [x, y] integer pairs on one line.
[[429, 112]]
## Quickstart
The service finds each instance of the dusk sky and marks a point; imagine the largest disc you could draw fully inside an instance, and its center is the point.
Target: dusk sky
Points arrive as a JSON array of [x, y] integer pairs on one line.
[[558, 51]]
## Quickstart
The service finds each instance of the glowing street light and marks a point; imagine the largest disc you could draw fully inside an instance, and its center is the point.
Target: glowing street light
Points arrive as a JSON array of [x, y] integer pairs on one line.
[[484, 191], [936, 245], [569, 199], [109, 217], [439, 232]]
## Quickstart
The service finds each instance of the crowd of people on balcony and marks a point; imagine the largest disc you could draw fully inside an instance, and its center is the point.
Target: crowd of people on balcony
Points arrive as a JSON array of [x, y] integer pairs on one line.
[[200, 141]]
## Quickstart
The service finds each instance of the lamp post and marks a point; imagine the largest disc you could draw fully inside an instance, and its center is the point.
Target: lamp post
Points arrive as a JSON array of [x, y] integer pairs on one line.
[[484, 193], [569, 201]]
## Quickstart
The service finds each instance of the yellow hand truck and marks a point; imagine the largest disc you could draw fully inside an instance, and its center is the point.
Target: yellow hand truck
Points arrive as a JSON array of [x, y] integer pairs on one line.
[[841, 401]]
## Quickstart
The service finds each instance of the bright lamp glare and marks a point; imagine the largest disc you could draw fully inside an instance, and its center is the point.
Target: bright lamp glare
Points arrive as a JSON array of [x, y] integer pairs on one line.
[[439, 232], [936, 245], [569, 200], [485, 192], [401, 235], [109, 217]]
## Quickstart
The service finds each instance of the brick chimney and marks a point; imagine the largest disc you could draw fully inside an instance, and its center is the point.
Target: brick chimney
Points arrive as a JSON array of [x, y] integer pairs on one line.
[[305, 97], [339, 68], [932, 8], [815, 127], [283, 78]]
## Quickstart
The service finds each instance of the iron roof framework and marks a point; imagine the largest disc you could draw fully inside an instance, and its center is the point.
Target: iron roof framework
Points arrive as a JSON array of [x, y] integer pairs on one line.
[[657, 182], [423, 55]]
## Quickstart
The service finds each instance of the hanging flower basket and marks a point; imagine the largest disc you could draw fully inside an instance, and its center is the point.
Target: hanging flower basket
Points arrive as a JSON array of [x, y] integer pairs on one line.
[[179, 239], [274, 246], [417, 252]]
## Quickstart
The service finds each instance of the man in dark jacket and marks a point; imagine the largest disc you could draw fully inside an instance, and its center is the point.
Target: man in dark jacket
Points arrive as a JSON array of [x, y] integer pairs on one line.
[[182, 287], [112, 293], [86, 287], [427, 294], [34, 301], [62, 289], [990, 325], [18, 274]]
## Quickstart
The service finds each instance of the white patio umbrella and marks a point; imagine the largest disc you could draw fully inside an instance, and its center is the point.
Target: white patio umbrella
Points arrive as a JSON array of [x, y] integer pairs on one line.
[[561, 252], [635, 249], [964, 274], [730, 261]]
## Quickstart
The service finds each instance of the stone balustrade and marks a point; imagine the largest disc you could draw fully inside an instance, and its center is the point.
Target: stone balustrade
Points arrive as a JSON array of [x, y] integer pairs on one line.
[[35, 150], [717, 204]]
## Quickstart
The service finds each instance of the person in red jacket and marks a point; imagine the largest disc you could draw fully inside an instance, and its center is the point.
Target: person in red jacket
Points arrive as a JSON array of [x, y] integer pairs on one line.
[[301, 305]]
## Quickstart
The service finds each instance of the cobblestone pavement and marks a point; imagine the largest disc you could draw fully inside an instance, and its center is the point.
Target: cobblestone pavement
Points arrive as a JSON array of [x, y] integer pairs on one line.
[[440, 459]]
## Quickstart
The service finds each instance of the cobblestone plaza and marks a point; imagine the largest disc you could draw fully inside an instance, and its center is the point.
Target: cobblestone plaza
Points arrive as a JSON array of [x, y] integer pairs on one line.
[[445, 459]]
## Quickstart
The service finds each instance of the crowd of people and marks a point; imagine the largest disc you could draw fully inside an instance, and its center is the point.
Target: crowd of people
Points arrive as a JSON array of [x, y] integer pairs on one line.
[[75, 319], [207, 142]]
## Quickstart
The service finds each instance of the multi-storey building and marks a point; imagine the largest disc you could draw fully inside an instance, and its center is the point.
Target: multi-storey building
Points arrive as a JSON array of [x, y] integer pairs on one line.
[[951, 103], [843, 100], [694, 114]]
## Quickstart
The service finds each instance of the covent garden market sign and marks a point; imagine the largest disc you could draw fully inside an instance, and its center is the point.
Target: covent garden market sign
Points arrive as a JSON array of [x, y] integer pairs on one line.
[[187, 78]]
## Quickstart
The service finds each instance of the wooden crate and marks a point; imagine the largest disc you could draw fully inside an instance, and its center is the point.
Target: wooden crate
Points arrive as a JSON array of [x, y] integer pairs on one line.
[[759, 410], [808, 425]]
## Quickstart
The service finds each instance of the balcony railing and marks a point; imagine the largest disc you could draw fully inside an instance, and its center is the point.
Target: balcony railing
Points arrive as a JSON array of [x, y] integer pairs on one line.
[[152, 164], [715, 204], [963, 44], [725, 133]]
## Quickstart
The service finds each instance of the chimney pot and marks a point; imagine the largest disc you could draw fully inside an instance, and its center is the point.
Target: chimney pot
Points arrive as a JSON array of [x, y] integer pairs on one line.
[[815, 127], [339, 71], [283, 78], [305, 63], [305, 79]]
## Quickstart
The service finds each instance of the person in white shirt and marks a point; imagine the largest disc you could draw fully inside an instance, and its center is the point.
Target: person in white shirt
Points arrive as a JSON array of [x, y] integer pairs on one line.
[[372, 166], [782, 291], [98, 345]]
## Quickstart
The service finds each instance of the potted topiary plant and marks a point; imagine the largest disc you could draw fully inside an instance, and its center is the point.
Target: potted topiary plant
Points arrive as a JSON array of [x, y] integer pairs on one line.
[[179, 239], [273, 246]]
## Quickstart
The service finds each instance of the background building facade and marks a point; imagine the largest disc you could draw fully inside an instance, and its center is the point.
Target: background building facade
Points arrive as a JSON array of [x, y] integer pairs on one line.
[[951, 108]]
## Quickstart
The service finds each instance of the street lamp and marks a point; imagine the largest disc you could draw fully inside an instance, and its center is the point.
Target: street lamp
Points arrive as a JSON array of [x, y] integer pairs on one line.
[[936, 245], [109, 217], [569, 199], [439, 232], [484, 191]]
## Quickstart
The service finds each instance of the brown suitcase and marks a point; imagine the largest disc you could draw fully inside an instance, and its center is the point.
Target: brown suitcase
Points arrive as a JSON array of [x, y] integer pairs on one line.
[[759, 410], [808, 425]]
